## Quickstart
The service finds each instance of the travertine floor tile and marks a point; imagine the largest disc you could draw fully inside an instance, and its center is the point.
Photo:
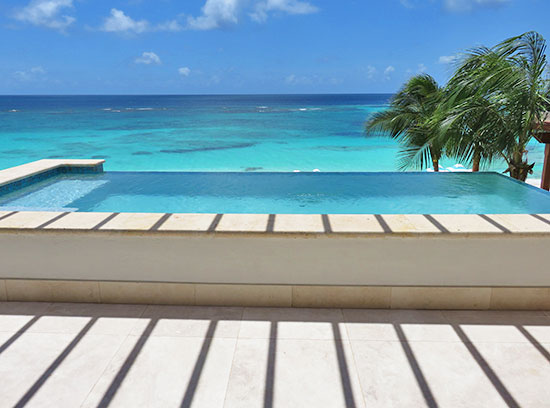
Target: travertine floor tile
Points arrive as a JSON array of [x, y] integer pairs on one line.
[[385, 375], [500, 326], [466, 223], [192, 321], [28, 219], [322, 324], [132, 221], [167, 372], [188, 222], [72, 317], [306, 373], [520, 222], [31, 375], [444, 367], [358, 223], [393, 325], [79, 221], [15, 316], [410, 223], [298, 223], [207, 356], [522, 369], [243, 223]]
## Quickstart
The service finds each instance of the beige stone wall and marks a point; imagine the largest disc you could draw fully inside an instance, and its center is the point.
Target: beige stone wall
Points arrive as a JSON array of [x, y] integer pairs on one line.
[[506, 260], [374, 297]]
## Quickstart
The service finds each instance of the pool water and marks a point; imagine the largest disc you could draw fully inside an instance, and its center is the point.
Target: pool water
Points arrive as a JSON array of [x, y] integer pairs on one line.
[[280, 193]]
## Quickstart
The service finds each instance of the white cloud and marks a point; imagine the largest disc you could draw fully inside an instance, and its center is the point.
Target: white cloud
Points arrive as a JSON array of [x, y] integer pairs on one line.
[[29, 74], [263, 8], [371, 72], [148, 58], [224, 13], [184, 71], [469, 5], [216, 14], [388, 71], [447, 59], [118, 22], [422, 68], [46, 13]]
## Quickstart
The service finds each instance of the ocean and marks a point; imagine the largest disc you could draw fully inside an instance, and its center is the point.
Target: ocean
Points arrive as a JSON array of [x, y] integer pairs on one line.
[[251, 133]]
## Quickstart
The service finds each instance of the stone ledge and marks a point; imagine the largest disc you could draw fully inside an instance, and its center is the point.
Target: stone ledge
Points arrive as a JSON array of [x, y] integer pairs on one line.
[[15, 178], [280, 224], [360, 297]]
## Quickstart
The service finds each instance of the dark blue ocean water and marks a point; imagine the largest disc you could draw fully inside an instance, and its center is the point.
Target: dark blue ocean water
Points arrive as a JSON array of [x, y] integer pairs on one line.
[[202, 133]]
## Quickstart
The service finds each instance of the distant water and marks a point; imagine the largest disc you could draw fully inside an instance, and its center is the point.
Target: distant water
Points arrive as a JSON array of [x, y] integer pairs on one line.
[[203, 133]]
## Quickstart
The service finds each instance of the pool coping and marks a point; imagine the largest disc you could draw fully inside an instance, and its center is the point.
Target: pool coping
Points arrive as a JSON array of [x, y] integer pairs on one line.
[[278, 224], [255, 224]]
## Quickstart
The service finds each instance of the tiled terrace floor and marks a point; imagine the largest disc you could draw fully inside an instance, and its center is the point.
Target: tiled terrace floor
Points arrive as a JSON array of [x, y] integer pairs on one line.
[[71, 355]]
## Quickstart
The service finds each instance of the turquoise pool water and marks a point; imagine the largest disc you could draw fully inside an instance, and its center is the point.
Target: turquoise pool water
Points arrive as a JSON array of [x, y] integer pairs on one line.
[[246, 133], [271, 193]]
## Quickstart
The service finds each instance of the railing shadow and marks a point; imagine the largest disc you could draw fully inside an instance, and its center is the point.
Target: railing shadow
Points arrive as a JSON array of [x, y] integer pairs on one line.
[[270, 371], [345, 373], [18, 334], [484, 365], [56, 363], [199, 365], [418, 374], [534, 342], [347, 388], [125, 368]]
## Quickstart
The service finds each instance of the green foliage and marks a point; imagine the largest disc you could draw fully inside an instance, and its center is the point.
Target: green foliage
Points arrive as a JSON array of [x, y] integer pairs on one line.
[[409, 121], [487, 110]]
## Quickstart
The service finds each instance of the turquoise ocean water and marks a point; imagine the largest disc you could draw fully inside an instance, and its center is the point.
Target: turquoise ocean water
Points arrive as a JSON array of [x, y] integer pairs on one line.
[[203, 133]]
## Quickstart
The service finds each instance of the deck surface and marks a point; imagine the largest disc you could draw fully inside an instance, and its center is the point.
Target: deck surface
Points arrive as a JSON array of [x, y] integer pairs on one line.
[[71, 355]]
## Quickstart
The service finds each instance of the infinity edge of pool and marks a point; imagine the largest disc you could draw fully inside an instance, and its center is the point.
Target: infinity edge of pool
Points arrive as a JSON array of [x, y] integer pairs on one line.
[[321, 222]]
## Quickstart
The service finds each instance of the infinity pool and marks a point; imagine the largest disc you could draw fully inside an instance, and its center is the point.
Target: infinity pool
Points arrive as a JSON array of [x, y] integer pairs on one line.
[[281, 193]]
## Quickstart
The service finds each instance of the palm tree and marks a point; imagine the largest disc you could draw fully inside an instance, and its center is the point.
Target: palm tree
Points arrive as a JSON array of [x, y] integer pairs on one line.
[[409, 120], [502, 93], [462, 121]]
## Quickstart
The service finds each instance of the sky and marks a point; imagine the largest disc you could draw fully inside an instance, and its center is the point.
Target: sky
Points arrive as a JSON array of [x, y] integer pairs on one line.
[[245, 46]]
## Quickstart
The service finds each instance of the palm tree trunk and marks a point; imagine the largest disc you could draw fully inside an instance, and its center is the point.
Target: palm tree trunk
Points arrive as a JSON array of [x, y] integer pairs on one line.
[[436, 164], [519, 168], [516, 166], [476, 160]]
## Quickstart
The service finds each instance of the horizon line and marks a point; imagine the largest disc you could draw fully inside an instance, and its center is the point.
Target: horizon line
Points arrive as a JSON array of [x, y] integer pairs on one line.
[[207, 94]]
